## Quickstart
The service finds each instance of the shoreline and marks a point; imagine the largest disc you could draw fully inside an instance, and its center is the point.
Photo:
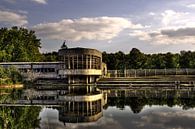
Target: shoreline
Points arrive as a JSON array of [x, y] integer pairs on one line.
[[12, 86]]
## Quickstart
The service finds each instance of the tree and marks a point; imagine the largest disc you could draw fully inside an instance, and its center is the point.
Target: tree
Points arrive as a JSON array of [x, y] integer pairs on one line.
[[52, 56], [19, 44], [120, 60], [136, 59], [187, 59], [10, 75], [171, 60]]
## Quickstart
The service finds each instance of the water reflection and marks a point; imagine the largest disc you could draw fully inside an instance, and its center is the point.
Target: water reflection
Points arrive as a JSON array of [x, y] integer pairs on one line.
[[137, 99], [19, 117], [90, 107], [82, 104]]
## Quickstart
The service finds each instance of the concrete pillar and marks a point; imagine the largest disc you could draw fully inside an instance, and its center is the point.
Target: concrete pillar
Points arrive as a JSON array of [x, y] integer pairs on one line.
[[90, 62], [73, 79], [87, 108], [77, 61], [86, 61], [90, 79], [87, 89], [73, 62], [90, 103], [69, 79], [87, 80], [68, 62]]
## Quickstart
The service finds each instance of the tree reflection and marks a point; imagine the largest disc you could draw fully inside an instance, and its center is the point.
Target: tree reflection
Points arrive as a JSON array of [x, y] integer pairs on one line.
[[137, 103], [13, 117], [19, 117]]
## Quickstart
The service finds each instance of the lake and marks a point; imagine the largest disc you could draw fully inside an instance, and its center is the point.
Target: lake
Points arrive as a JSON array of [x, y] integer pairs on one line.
[[104, 109]]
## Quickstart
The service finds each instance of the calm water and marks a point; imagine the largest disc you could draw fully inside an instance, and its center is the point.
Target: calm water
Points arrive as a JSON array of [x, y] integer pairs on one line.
[[151, 117], [115, 109]]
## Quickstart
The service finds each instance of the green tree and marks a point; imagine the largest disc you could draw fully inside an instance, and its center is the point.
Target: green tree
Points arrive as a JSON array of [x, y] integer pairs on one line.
[[171, 60], [19, 44], [187, 59], [19, 117], [136, 59], [52, 56], [120, 60]]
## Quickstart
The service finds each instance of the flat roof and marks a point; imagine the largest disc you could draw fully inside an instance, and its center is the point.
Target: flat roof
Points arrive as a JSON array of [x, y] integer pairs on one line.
[[25, 63]]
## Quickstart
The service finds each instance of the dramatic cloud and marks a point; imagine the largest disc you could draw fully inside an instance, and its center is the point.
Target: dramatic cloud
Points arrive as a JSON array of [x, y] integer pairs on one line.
[[173, 28], [40, 1], [12, 18], [98, 28]]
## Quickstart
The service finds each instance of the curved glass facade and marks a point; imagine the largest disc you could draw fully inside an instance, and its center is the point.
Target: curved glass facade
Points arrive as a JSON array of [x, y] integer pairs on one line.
[[80, 65]]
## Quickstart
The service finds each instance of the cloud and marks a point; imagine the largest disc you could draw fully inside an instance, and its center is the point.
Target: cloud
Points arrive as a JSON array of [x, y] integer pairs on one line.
[[190, 5], [40, 1], [12, 18], [167, 36], [97, 28], [152, 13], [173, 28], [182, 32], [170, 17], [169, 119]]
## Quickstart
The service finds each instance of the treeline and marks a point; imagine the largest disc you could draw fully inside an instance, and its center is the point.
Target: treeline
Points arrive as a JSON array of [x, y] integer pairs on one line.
[[137, 103], [135, 59], [22, 45], [10, 75]]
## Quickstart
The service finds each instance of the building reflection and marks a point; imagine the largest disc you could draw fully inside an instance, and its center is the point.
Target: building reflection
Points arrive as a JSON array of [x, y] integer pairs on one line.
[[81, 104]]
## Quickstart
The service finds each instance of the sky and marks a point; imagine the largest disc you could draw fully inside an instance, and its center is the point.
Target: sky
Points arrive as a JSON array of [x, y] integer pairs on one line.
[[153, 26]]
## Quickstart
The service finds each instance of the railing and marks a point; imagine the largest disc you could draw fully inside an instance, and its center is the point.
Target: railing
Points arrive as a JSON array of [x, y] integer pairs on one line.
[[80, 72], [149, 72]]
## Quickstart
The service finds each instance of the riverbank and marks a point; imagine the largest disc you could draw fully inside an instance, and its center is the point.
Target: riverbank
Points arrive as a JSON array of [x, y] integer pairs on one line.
[[12, 86], [169, 81]]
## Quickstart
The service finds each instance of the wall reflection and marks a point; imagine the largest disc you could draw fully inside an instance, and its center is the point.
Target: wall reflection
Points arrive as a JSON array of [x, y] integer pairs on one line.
[[82, 104]]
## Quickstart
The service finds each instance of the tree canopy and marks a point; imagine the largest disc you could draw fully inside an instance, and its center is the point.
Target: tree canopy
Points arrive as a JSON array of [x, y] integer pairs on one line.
[[10, 75], [135, 59], [19, 44]]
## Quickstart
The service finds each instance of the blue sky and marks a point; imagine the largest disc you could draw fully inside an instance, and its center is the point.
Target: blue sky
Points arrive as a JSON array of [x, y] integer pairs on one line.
[[152, 26]]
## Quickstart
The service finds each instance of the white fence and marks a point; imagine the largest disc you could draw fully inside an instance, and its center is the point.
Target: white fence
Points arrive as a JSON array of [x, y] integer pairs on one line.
[[149, 72]]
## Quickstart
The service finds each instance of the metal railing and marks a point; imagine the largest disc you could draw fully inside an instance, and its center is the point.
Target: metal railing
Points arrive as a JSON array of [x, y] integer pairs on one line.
[[149, 72]]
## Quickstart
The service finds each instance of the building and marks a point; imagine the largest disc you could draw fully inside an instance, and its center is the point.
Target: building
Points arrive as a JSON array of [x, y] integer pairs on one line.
[[81, 65], [76, 65]]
